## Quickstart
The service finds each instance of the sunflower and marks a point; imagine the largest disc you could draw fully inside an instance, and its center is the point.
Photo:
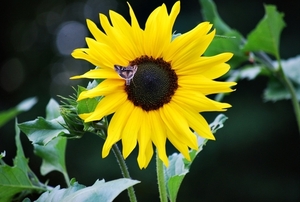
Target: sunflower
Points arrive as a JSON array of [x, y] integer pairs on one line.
[[154, 85]]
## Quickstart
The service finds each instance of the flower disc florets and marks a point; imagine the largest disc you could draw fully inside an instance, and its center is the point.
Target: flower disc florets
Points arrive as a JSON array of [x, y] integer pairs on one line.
[[153, 84]]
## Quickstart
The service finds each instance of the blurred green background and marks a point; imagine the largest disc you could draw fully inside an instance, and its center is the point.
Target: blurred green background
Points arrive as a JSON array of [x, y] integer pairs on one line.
[[256, 156]]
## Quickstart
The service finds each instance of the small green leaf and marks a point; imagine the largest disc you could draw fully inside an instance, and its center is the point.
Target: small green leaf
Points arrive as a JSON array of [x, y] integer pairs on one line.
[[266, 36], [218, 123], [18, 178], [89, 104], [25, 105], [179, 166], [99, 191]]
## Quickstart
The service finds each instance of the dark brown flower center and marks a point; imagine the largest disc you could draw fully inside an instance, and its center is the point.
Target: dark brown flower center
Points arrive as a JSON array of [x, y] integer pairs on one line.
[[153, 84]]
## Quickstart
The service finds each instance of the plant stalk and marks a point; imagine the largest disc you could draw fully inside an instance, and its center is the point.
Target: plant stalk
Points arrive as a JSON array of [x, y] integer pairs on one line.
[[161, 179], [294, 98], [279, 73], [124, 170]]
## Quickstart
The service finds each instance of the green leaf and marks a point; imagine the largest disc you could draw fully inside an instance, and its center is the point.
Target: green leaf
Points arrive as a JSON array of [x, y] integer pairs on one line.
[[266, 35], [232, 44], [25, 105], [52, 110], [210, 13], [275, 90], [89, 104], [218, 123], [229, 41], [179, 166], [99, 191], [291, 68], [18, 178], [47, 140], [41, 131], [53, 155]]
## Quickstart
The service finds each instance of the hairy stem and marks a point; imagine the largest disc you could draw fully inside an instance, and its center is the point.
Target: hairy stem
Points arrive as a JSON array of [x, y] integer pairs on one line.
[[161, 179], [124, 170]]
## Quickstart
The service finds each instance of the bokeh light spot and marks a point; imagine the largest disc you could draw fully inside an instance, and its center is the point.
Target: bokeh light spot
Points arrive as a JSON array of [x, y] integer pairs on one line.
[[70, 35]]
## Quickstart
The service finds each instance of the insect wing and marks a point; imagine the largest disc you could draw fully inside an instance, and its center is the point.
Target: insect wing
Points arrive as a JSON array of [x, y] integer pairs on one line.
[[126, 73]]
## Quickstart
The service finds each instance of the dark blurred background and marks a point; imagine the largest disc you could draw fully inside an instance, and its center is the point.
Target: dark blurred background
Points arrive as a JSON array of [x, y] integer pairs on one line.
[[256, 156]]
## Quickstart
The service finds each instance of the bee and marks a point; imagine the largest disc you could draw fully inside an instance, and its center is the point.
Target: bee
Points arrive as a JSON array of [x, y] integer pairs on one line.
[[126, 73]]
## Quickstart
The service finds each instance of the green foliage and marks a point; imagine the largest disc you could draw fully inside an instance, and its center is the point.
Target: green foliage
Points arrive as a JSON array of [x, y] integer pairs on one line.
[[266, 36], [179, 166], [210, 14], [227, 40], [277, 91], [49, 135], [99, 191], [25, 105], [46, 137], [18, 178]]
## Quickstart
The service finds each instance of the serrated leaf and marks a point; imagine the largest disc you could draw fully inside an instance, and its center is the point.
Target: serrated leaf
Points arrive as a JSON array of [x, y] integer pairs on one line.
[[179, 166], [229, 41], [210, 13], [53, 155], [41, 131], [46, 137], [18, 178], [52, 110], [99, 191], [266, 35], [23, 106], [291, 68], [275, 90], [232, 44], [218, 123], [250, 72]]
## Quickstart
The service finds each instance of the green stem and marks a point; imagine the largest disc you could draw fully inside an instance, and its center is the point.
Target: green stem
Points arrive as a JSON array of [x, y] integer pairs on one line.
[[124, 170], [279, 73], [294, 98], [161, 179]]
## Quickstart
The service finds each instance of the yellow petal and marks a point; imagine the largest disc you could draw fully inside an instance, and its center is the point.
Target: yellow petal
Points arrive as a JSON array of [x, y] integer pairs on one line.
[[194, 99], [131, 129], [107, 105], [137, 33], [178, 125], [204, 85], [195, 121], [98, 35], [204, 65], [181, 147], [145, 144], [189, 46], [159, 135], [116, 126], [98, 74], [106, 87]]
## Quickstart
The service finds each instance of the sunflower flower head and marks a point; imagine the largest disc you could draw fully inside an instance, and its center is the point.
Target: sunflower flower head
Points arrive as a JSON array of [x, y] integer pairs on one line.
[[154, 86]]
